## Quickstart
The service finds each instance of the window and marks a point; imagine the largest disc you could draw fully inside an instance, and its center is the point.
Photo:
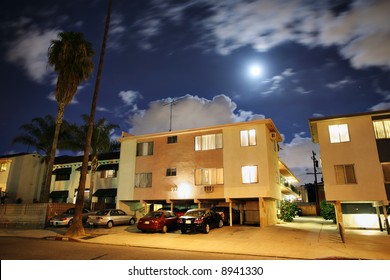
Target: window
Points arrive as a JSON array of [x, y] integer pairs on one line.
[[171, 172], [209, 176], [63, 177], [108, 174], [249, 174], [248, 137], [172, 139], [338, 133], [208, 142], [345, 174], [143, 180], [382, 129], [145, 149], [3, 166], [386, 172], [208, 189]]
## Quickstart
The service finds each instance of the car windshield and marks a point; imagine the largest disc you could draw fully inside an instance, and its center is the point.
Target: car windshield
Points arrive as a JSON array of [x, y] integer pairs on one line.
[[195, 213], [153, 215], [69, 211], [102, 212]]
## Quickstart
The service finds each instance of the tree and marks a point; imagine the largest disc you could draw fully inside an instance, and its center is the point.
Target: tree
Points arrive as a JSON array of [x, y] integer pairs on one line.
[[288, 210], [327, 211], [39, 134], [71, 57], [100, 143], [77, 229]]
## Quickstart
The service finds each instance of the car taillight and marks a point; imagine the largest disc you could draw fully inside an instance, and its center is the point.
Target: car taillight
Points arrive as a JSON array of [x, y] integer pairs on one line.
[[198, 221], [180, 221]]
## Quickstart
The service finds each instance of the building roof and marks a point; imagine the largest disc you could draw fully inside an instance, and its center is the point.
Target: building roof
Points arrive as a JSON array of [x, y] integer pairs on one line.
[[73, 159]]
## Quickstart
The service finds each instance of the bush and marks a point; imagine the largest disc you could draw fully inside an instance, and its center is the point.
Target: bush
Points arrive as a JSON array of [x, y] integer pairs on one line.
[[327, 211], [288, 211]]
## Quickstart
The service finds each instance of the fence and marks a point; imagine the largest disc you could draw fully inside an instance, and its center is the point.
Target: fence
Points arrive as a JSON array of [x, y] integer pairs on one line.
[[30, 215]]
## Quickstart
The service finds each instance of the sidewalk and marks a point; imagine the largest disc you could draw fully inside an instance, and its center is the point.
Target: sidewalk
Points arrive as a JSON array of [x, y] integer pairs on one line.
[[305, 238]]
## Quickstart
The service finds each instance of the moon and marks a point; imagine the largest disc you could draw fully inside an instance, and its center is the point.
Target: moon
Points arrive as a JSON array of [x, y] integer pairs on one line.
[[255, 70]]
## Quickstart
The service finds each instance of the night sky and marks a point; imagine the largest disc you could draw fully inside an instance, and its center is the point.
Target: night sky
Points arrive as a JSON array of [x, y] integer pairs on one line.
[[314, 59]]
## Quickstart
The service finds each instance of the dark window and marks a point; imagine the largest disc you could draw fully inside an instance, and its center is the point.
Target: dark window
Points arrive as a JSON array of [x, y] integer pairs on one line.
[[172, 139], [171, 172], [62, 177]]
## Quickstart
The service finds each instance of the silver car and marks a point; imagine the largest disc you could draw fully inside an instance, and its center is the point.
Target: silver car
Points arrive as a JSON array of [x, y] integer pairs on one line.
[[66, 218], [111, 217]]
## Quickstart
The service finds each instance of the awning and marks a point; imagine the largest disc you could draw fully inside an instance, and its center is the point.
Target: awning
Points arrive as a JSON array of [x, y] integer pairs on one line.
[[105, 193], [62, 171], [79, 168], [114, 166], [59, 194]]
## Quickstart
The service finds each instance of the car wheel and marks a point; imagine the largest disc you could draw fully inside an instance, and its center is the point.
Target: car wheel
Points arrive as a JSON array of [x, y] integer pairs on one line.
[[110, 224], [164, 229], [183, 231], [70, 223], [220, 224], [132, 221], [206, 228]]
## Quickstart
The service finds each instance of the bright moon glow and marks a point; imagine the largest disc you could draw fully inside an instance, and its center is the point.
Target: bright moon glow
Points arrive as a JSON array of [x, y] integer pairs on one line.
[[255, 71]]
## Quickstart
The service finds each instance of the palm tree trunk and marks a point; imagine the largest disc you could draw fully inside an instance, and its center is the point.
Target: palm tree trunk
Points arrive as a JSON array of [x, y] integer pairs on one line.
[[77, 229], [45, 193]]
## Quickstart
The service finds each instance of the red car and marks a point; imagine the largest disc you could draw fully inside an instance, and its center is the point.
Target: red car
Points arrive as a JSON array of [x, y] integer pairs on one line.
[[154, 221]]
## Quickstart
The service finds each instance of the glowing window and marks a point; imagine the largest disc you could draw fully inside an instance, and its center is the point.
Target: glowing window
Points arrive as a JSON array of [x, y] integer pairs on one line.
[[209, 176], [249, 174], [382, 129], [338, 133], [208, 142], [3, 166], [248, 137], [143, 180], [145, 149], [345, 174]]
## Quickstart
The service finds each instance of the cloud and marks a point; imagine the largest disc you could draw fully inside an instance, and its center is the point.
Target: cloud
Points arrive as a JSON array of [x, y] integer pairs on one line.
[[361, 31], [297, 155], [340, 84], [276, 81], [29, 51], [116, 32], [188, 112], [129, 97], [380, 106]]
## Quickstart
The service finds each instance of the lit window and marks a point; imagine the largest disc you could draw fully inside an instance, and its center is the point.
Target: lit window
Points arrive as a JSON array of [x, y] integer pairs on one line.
[[386, 172], [143, 180], [108, 174], [208, 142], [345, 174], [249, 174], [171, 172], [382, 129], [338, 133], [248, 137], [3, 166], [209, 176], [145, 149]]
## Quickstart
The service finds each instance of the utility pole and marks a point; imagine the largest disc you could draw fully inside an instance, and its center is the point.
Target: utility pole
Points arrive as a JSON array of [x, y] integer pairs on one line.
[[315, 166]]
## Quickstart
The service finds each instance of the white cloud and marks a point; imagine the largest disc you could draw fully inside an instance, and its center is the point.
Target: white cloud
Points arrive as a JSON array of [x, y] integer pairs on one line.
[[380, 106], [129, 97], [188, 112], [29, 50], [340, 84]]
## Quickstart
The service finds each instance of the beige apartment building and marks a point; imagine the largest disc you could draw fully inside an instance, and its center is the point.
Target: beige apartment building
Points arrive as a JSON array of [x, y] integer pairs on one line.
[[235, 165], [355, 157]]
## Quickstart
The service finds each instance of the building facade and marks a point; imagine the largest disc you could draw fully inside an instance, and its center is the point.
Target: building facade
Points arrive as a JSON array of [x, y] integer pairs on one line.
[[235, 165], [355, 156], [21, 177]]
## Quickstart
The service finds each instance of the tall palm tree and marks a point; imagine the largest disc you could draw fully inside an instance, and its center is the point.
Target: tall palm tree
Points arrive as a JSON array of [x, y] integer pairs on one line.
[[39, 134], [100, 143], [77, 229], [71, 57]]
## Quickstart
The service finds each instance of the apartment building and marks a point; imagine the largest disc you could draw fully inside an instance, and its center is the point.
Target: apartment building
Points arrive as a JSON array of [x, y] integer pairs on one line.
[[100, 192], [234, 165], [21, 177], [355, 156]]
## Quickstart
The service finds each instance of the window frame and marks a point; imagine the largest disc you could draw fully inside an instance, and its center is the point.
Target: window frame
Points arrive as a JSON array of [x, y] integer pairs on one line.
[[343, 174], [172, 139], [215, 176], [207, 142], [337, 134], [145, 149], [171, 172], [248, 138], [139, 181], [247, 173], [384, 130]]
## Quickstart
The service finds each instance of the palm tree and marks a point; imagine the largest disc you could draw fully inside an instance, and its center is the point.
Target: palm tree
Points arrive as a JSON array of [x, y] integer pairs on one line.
[[100, 143], [77, 229], [71, 57], [39, 135]]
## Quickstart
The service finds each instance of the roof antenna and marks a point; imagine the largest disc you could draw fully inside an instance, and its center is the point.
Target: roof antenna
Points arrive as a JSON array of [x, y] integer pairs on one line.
[[173, 102]]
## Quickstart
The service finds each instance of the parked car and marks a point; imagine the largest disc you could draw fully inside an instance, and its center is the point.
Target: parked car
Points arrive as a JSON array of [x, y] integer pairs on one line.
[[111, 217], [158, 221], [224, 212], [201, 219], [66, 218], [178, 212]]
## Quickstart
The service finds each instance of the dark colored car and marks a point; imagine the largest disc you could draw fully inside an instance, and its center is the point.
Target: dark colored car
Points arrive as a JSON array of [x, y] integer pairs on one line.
[[178, 212], [201, 219], [158, 221], [224, 212], [66, 218]]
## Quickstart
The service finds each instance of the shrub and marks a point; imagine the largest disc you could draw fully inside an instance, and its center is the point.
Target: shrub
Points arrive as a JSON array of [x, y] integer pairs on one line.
[[288, 211], [327, 211]]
